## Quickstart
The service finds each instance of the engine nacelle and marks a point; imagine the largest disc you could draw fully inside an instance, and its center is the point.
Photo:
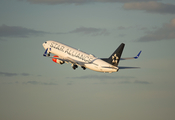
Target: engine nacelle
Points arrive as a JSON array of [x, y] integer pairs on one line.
[[57, 60]]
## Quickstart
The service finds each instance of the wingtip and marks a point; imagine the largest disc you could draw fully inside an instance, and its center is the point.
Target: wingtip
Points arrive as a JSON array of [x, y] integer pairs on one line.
[[138, 55]]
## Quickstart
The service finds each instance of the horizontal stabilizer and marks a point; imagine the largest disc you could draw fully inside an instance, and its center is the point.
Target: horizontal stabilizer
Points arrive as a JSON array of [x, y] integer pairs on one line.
[[132, 57], [128, 67]]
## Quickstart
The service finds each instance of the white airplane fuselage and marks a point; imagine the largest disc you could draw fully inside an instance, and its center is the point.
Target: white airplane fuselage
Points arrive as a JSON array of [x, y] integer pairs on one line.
[[69, 54]]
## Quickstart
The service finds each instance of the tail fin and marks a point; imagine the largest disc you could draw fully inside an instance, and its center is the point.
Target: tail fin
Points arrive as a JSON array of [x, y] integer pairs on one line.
[[115, 57]]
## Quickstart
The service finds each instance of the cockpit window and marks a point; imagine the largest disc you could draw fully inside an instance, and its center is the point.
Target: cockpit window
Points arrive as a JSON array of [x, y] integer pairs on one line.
[[45, 42]]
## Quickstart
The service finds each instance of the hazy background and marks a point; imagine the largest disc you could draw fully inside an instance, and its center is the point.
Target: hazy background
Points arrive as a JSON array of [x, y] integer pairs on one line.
[[33, 87]]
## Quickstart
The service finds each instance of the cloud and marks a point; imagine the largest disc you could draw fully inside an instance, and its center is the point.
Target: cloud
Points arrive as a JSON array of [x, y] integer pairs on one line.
[[32, 82], [101, 77], [53, 2], [123, 28], [39, 83], [122, 35], [24, 74], [125, 82], [107, 79], [70, 83], [135, 82], [8, 74], [90, 31], [166, 32], [17, 31], [51, 83], [151, 6], [141, 82]]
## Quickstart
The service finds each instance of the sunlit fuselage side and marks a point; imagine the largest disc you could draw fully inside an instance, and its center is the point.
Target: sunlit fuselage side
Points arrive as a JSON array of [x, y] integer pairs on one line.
[[65, 52]]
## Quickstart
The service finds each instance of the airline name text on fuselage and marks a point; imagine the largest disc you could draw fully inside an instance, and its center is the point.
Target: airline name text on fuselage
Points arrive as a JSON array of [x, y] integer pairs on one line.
[[71, 52]]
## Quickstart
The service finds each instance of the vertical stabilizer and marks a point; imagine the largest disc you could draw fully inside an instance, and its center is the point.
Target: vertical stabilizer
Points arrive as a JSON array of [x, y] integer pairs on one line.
[[115, 57]]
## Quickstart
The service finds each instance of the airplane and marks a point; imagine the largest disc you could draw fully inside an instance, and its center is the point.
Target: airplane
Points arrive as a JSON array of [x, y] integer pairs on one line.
[[66, 54]]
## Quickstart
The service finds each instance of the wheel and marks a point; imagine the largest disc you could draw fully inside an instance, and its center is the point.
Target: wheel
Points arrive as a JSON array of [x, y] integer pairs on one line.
[[74, 67], [83, 67]]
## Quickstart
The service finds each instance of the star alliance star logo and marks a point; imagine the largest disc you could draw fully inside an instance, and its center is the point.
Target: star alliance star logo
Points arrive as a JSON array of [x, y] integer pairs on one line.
[[115, 58]]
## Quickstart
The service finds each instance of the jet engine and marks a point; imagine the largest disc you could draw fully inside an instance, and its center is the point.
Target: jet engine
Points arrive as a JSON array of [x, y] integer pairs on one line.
[[57, 60]]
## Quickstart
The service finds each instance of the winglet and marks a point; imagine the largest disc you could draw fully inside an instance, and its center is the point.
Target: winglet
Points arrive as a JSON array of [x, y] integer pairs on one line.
[[45, 53], [138, 55]]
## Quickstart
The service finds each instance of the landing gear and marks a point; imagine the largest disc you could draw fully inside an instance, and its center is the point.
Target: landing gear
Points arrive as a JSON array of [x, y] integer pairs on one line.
[[74, 67], [62, 62], [83, 67], [48, 54]]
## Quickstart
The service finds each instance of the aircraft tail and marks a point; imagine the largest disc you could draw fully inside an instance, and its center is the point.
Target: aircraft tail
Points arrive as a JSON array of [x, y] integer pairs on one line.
[[115, 57]]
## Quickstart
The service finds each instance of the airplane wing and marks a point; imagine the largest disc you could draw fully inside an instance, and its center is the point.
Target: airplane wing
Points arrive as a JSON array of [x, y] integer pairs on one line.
[[132, 57], [76, 62]]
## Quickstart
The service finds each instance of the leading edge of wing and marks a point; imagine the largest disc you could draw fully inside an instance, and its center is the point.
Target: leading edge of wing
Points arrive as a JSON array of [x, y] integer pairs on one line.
[[132, 57]]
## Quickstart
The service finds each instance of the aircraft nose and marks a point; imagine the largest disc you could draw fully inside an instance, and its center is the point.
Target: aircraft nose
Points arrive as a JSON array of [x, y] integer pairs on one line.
[[44, 45]]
